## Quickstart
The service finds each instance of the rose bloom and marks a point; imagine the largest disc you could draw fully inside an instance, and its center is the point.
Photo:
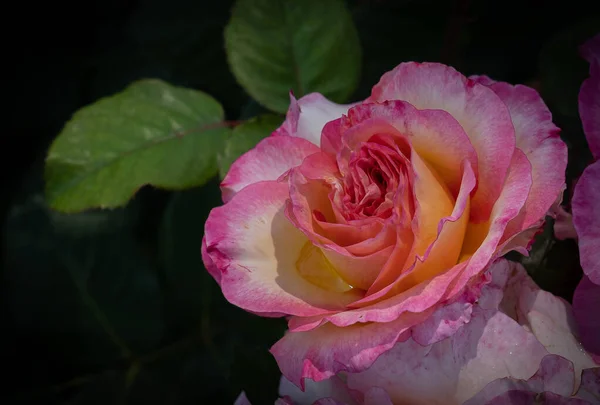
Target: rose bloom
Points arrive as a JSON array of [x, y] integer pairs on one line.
[[370, 222], [518, 345], [585, 221]]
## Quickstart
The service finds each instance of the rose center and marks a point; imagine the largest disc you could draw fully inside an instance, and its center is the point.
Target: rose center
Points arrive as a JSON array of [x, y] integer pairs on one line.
[[376, 171]]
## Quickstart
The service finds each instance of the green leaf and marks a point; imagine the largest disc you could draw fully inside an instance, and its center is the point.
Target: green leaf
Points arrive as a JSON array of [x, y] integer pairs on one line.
[[305, 46], [244, 137], [562, 68], [151, 133]]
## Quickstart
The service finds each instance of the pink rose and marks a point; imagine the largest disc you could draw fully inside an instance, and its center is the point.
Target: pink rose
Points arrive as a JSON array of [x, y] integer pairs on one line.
[[520, 338], [586, 209], [519, 345], [365, 222], [552, 384]]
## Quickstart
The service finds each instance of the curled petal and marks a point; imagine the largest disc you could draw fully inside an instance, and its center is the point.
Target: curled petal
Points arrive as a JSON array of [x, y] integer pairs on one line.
[[482, 240], [323, 349], [271, 158], [256, 249], [213, 270], [441, 254], [443, 323], [480, 112], [434, 134], [554, 375], [494, 344], [538, 138], [307, 116], [355, 252], [549, 318], [320, 353], [490, 346]]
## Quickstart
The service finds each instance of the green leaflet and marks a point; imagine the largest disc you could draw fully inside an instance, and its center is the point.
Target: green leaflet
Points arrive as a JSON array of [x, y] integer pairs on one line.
[[151, 133], [304, 46]]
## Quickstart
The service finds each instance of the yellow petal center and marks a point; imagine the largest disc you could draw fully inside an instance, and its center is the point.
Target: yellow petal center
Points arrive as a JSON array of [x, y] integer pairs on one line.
[[314, 267]]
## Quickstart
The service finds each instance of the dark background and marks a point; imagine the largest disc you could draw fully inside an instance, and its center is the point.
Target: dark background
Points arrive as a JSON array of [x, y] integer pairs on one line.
[[114, 307]]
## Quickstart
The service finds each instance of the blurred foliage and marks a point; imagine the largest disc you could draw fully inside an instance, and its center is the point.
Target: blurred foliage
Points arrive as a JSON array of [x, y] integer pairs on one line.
[[115, 307]]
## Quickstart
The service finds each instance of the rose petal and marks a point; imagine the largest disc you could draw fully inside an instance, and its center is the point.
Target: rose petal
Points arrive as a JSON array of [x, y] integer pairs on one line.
[[515, 397], [490, 346], [321, 353], [441, 254], [209, 264], [590, 385], [550, 319], [434, 134], [586, 302], [329, 401], [439, 226], [443, 323], [326, 349], [452, 283], [350, 135], [590, 50], [563, 225], [481, 240], [333, 388], [554, 375], [242, 399], [358, 271], [586, 219], [310, 185], [589, 96], [539, 139], [480, 112], [377, 396], [271, 158], [307, 116], [419, 299], [256, 249]]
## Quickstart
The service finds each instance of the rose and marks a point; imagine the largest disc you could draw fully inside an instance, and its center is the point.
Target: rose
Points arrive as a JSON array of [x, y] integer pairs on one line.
[[515, 328], [586, 211], [585, 220], [369, 221], [520, 339]]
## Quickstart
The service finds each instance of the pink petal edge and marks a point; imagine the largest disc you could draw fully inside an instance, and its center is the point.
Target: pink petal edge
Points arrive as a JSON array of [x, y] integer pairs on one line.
[[268, 160]]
